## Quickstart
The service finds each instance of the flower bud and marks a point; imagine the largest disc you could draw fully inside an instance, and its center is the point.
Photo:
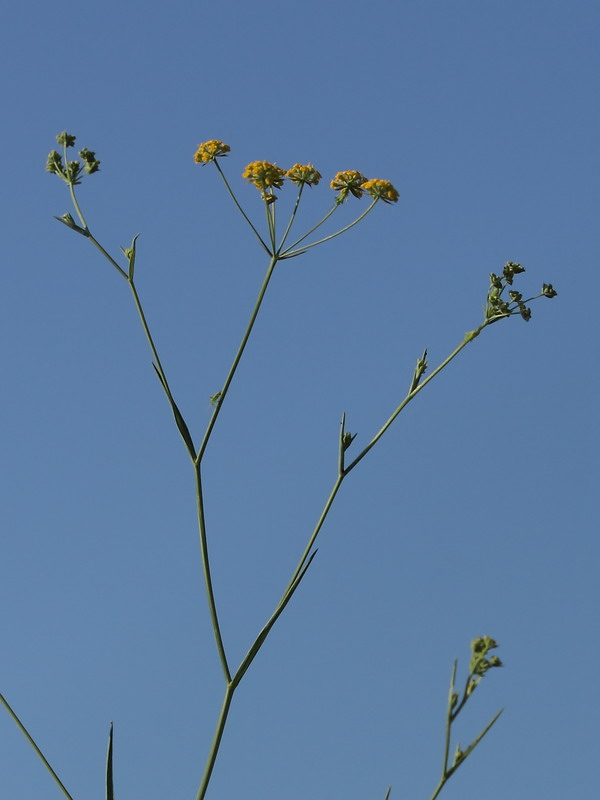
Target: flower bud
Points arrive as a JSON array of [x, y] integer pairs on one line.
[[54, 162], [66, 139]]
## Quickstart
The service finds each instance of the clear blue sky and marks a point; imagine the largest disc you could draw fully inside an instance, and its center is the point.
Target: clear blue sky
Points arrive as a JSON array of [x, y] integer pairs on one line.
[[477, 514]]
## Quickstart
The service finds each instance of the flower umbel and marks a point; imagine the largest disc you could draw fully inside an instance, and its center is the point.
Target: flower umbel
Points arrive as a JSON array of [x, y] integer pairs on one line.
[[381, 190], [264, 175], [90, 162], [71, 171], [304, 174], [347, 182], [208, 151], [54, 162], [66, 139]]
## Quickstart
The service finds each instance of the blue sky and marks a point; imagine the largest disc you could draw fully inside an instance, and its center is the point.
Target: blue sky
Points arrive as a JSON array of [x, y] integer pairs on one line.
[[476, 514]]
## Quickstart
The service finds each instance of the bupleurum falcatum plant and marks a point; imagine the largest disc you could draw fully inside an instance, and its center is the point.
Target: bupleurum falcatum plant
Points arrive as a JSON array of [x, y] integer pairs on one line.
[[502, 302]]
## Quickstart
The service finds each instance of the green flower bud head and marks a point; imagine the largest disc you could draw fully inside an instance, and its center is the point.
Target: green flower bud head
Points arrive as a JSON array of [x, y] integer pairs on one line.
[[90, 162], [54, 162], [65, 139]]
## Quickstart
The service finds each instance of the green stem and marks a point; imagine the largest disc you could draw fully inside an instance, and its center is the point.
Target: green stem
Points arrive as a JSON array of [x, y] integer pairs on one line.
[[412, 394], [270, 209], [342, 473], [240, 209], [85, 226], [131, 283], [236, 360], [314, 227], [439, 788], [149, 339], [315, 533], [106, 255], [465, 697], [450, 716], [292, 218], [41, 756], [207, 576], [291, 252], [266, 629], [180, 421], [216, 742]]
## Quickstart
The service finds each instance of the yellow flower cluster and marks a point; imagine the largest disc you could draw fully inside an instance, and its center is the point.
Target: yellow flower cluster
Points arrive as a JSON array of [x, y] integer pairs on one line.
[[381, 190], [348, 181], [208, 151], [264, 175], [304, 173]]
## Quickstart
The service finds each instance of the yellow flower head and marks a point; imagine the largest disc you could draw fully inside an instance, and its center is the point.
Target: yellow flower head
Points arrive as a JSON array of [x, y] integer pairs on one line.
[[304, 173], [348, 181], [208, 151], [264, 175], [381, 190]]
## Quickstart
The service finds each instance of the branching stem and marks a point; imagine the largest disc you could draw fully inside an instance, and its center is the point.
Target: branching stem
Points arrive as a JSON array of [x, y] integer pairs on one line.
[[238, 356]]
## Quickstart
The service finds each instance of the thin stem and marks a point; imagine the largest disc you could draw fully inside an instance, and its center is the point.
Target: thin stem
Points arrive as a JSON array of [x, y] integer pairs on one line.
[[412, 394], [41, 756], [236, 360], [179, 420], [106, 255], [85, 226], [207, 576], [314, 227], [149, 339], [240, 209], [216, 742], [341, 445], [266, 629], [342, 473], [464, 699], [315, 533], [449, 719], [439, 787], [72, 190], [290, 251], [181, 424], [292, 218], [270, 209]]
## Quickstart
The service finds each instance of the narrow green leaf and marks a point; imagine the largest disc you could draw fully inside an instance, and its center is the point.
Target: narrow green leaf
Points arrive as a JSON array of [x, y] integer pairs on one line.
[[110, 793], [476, 741], [388, 793], [183, 429], [260, 639], [68, 220], [179, 420], [37, 750], [473, 745]]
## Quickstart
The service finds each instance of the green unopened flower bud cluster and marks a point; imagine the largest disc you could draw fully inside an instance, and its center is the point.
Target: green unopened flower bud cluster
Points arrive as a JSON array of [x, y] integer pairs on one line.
[[480, 661], [501, 305], [71, 171]]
